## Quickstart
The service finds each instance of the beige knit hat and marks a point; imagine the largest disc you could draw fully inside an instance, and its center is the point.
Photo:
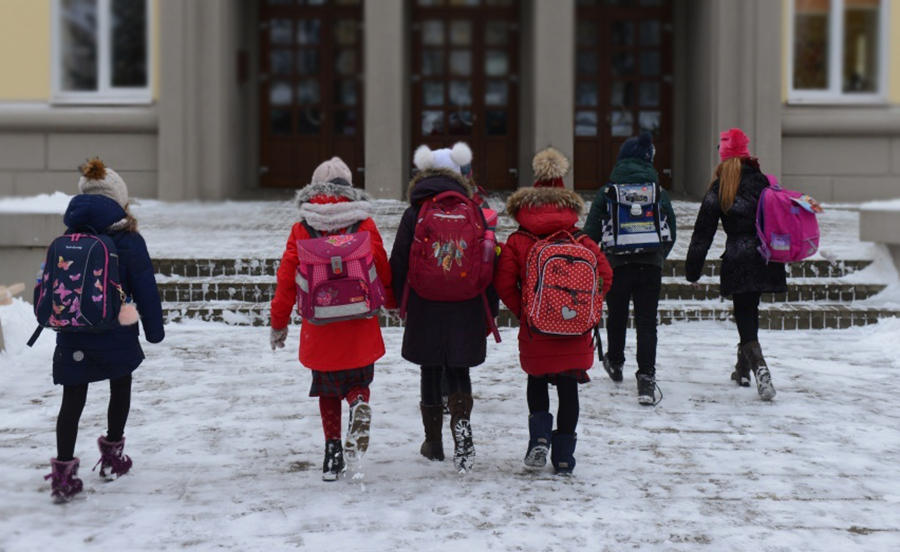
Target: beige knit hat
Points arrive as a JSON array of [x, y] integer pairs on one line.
[[97, 179], [331, 169]]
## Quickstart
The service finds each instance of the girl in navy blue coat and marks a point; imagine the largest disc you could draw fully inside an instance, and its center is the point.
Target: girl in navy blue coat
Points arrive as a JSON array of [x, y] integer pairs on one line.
[[84, 358]]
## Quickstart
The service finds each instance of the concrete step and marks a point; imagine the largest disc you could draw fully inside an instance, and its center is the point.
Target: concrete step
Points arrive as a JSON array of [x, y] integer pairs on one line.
[[205, 268], [775, 316], [262, 289]]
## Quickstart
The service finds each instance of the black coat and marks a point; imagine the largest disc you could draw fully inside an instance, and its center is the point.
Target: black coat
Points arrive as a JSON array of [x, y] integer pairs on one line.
[[438, 333], [743, 268], [87, 357]]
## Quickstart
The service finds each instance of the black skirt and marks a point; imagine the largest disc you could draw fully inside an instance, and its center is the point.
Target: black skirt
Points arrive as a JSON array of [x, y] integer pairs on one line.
[[340, 382]]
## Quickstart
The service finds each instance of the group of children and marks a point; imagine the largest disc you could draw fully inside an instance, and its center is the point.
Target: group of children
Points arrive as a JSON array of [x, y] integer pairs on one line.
[[445, 332]]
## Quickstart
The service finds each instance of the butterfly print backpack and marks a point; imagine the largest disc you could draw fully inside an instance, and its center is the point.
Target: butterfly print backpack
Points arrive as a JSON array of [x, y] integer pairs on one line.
[[78, 289], [562, 293], [336, 277]]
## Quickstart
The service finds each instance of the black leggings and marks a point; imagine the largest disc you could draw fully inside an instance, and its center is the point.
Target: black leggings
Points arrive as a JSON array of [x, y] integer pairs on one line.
[[458, 381], [566, 390], [74, 398], [746, 314]]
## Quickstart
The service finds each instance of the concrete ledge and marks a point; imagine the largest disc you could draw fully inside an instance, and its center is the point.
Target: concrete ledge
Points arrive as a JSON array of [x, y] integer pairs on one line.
[[44, 118], [23, 244], [840, 121], [879, 222]]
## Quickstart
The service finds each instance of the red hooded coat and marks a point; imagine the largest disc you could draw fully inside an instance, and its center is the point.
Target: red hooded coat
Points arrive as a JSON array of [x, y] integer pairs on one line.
[[339, 345], [543, 211]]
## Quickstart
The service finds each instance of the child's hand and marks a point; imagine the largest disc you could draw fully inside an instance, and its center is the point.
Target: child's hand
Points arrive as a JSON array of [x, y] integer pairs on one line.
[[277, 338]]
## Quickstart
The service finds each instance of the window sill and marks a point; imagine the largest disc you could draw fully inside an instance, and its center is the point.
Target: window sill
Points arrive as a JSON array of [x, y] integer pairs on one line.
[[97, 100], [841, 120], [842, 101]]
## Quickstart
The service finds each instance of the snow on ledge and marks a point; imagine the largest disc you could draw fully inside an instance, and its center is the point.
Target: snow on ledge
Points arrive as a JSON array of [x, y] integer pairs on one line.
[[55, 203], [883, 205]]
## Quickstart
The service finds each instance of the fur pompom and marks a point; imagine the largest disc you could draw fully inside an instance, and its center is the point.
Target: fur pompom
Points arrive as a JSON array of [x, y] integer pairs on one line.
[[93, 169], [461, 154], [423, 158], [549, 164], [128, 314]]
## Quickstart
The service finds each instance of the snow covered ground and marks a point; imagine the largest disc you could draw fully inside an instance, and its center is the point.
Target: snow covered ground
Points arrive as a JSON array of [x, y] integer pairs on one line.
[[228, 451]]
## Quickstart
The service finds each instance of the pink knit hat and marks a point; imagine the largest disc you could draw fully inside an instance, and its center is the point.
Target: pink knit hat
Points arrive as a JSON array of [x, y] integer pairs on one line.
[[733, 144]]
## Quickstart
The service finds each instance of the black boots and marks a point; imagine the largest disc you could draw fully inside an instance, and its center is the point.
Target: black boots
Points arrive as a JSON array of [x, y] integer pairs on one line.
[[334, 460], [741, 374], [753, 354], [540, 430], [433, 420], [614, 370], [646, 386], [562, 453], [460, 405]]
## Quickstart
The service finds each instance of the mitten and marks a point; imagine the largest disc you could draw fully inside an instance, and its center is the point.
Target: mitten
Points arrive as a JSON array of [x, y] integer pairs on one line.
[[277, 338]]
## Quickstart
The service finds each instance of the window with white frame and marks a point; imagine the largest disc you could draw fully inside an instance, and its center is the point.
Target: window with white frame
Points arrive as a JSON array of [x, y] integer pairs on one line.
[[102, 51], [838, 51]]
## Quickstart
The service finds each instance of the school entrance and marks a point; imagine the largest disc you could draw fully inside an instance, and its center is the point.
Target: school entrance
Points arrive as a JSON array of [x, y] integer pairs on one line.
[[311, 89], [465, 84], [624, 58]]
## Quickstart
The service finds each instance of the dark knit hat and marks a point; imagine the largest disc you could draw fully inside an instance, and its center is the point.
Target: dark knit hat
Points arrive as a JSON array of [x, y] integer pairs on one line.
[[640, 147]]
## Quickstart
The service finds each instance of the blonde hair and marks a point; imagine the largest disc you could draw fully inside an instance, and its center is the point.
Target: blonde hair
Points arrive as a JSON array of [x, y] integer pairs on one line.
[[728, 173]]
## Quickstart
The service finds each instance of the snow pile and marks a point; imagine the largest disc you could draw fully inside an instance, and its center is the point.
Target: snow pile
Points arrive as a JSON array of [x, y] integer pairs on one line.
[[55, 203], [883, 205], [18, 324]]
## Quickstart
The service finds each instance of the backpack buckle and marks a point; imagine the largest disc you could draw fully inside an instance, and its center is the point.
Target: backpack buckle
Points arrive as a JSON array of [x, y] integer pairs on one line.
[[337, 266]]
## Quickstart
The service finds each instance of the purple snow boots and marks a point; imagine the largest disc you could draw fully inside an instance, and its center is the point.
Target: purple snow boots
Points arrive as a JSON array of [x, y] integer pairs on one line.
[[65, 482], [112, 458]]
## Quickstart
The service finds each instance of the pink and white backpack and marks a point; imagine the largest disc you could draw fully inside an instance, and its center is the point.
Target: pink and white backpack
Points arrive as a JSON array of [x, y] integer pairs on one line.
[[787, 228], [336, 277]]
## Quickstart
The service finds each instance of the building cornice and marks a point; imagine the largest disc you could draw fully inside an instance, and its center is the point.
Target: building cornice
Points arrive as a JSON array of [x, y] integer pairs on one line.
[[46, 118], [840, 121]]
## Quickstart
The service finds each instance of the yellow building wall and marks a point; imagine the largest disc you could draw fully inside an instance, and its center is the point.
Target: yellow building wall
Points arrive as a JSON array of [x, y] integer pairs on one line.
[[893, 50], [25, 50]]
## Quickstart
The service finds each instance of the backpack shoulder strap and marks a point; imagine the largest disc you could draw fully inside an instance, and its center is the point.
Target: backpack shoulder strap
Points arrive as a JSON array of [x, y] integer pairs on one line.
[[354, 228], [313, 233]]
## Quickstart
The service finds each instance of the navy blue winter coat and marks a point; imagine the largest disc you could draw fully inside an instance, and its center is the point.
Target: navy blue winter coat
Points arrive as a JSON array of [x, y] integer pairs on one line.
[[88, 357]]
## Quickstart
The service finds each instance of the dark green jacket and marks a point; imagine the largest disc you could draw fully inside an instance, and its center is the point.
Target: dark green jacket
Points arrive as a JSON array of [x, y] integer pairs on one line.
[[630, 171]]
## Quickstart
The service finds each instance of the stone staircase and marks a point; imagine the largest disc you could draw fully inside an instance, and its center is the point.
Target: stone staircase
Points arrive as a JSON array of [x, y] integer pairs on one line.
[[238, 291]]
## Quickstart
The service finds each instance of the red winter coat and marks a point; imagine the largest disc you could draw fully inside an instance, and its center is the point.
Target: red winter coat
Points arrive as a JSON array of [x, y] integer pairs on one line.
[[543, 211], [339, 345]]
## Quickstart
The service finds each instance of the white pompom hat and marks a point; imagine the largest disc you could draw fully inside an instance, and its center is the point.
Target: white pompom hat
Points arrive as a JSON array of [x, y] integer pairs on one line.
[[454, 159]]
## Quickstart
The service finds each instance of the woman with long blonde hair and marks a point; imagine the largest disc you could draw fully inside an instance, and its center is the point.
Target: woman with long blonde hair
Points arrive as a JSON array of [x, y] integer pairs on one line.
[[732, 198]]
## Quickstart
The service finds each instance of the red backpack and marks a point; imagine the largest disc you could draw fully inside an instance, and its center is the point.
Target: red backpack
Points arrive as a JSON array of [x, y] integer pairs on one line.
[[453, 252], [562, 292]]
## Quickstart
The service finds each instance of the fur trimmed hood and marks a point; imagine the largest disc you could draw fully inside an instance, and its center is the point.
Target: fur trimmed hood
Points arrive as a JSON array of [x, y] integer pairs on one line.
[[441, 174], [343, 205], [530, 198]]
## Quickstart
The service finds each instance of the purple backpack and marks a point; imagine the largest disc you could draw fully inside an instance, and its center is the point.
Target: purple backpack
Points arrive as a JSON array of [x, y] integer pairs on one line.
[[786, 226], [336, 277]]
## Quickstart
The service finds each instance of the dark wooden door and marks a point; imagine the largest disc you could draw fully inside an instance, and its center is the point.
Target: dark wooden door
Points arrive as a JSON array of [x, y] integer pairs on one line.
[[465, 65], [623, 84], [311, 89]]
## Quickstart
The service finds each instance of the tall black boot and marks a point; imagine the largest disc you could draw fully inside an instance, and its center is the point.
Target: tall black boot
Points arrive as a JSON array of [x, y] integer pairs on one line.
[[741, 374], [764, 387], [463, 448], [433, 420]]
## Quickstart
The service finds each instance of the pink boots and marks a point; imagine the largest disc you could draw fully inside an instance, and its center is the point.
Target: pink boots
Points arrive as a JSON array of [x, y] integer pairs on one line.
[[112, 458]]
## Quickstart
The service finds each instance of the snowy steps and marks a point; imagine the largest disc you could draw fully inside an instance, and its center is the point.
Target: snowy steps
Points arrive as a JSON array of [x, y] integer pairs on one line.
[[238, 291]]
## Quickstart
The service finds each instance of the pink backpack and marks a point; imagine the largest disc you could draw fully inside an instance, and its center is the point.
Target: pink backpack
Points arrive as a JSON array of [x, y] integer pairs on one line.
[[336, 277], [563, 291], [787, 228]]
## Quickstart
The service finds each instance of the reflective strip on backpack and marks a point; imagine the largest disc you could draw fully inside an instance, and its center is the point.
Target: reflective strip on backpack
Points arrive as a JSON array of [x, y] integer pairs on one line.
[[302, 283], [373, 274], [340, 311]]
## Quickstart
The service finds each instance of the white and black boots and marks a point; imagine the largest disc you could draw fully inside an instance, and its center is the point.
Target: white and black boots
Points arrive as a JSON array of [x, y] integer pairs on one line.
[[333, 467], [741, 374], [753, 354], [358, 430], [463, 448]]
